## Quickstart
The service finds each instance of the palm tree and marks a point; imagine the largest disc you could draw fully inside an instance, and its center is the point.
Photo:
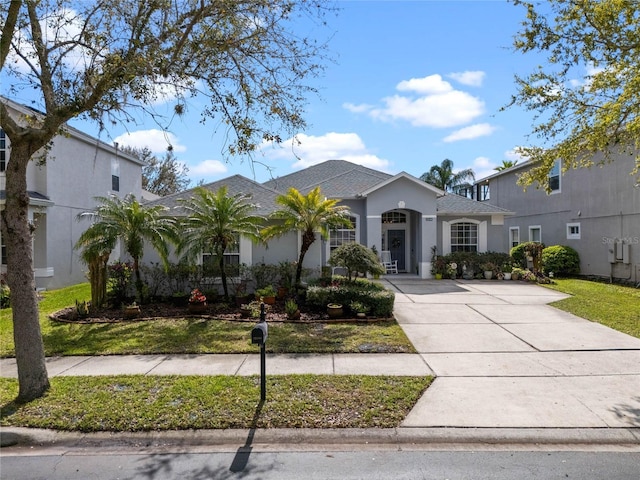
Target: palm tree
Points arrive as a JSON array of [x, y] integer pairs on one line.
[[506, 164], [214, 222], [133, 223], [443, 177], [308, 214]]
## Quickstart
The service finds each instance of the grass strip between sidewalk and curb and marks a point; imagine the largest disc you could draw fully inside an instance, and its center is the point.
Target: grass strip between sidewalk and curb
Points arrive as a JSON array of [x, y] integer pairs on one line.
[[615, 306], [129, 403]]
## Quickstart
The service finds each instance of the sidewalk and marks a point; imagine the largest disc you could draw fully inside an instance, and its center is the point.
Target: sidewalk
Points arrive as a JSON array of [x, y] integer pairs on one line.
[[510, 369]]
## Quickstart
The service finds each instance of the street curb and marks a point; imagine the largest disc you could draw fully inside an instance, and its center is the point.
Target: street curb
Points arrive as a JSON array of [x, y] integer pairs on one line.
[[306, 438]]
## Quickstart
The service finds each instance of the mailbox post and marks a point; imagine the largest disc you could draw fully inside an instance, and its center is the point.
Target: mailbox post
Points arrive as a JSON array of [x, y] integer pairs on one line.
[[259, 336]]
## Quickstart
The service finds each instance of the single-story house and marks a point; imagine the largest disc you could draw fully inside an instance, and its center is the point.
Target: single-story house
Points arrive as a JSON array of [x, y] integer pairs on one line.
[[399, 213]]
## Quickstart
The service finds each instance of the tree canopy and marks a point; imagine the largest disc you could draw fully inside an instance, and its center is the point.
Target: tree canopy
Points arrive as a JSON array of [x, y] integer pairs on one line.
[[443, 176], [244, 63], [586, 96], [309, 214], [161, 176]]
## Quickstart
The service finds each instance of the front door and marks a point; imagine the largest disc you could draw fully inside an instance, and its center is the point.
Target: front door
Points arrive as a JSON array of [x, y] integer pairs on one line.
[[396, 239]]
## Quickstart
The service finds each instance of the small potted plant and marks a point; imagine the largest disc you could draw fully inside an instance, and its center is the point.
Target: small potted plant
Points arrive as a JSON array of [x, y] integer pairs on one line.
[[488, 268], [359, 308], [507, 269], [439, 268], [452, 270], [292, 310], [268, 294], [132, 311], [334, 310], [197, 301]]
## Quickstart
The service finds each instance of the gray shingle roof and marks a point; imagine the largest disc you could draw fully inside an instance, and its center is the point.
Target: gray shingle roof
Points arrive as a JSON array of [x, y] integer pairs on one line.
[[456, 204], [263, 197], [336, 178]]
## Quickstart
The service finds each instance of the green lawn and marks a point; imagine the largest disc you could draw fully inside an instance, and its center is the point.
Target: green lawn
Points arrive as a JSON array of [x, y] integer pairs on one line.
[[615, 306], [145, 403]]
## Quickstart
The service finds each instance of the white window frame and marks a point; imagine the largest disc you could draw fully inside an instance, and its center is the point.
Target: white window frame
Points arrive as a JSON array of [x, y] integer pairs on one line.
[[477, 233], [574, 235], [532, 228], [511, 231], [557, 165], [356, 233], [446, 234]]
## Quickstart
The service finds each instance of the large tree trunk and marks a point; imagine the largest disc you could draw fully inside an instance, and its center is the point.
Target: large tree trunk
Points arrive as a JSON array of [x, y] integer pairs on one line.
[[30, 358]]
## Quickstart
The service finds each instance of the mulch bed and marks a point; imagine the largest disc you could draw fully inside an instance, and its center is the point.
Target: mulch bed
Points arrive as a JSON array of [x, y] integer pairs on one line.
[[218, 311]]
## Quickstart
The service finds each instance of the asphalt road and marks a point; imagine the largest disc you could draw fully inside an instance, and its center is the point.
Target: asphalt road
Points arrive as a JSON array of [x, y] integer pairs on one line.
[[325, 465]]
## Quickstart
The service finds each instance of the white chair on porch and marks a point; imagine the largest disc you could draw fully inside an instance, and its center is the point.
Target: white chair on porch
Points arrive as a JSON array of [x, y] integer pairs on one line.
[[391, 266]]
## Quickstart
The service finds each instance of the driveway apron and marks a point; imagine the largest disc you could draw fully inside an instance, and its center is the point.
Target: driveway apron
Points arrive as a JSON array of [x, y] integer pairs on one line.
[[505, 358]]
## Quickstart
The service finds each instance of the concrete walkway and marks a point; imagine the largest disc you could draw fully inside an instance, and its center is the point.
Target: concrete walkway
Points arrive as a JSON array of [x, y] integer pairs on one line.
[[504, 359]]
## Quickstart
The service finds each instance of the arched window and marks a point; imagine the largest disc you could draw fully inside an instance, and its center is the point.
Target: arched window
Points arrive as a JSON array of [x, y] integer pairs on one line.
[[394, 217]]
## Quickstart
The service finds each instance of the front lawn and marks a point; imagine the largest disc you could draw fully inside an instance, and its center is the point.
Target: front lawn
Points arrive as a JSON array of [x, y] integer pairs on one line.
[[145, 403], [198, 335], [615, 306]]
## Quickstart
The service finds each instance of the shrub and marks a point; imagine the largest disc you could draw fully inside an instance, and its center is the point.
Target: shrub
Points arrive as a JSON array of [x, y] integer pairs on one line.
[[519, 252], [561, 260], [356, 258], [378, 300], [5, 295]]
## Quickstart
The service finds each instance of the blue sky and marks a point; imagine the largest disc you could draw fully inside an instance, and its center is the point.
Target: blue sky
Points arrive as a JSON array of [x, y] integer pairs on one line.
[[413, 83]]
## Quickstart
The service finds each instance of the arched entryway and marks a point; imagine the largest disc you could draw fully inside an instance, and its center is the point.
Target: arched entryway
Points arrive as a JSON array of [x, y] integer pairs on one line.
[[396, 232]]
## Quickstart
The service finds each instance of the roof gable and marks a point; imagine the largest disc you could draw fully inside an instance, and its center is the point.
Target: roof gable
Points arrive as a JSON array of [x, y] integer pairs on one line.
[[405, 175]]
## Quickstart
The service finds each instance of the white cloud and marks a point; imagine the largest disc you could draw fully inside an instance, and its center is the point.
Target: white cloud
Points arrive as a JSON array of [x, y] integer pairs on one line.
[[429, 85], [155, 140], [362, 108], [311, 150], [208, 168], [471, 78], [483, 167], [471, 132], [448, 109], [428, 102]]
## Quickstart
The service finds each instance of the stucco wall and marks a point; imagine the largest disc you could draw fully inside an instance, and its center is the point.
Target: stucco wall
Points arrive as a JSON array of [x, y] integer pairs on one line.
[[602, 200]]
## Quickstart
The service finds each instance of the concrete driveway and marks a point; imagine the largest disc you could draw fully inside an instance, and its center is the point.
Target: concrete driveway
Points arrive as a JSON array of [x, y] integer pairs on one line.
[[504, 358]]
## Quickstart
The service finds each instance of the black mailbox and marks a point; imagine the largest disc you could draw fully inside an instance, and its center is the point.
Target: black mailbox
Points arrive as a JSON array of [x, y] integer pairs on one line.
[[259, 333]]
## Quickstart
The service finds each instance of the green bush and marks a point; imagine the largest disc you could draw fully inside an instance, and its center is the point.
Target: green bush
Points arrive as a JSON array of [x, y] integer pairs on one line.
[[518, 253], [561, 260], [378, 300], [356, 258], [5, 296]]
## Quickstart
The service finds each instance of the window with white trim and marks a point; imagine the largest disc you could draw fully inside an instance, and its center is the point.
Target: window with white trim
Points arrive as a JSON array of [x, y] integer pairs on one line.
[[464, 237], [514, 236], [535, 233], [341, 236], [554, 177], [3, 151], [231, 257], [573, 231]]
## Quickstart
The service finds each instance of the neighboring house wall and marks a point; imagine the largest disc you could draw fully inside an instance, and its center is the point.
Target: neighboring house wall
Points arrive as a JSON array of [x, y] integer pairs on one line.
[[594, 210], [77, 169]]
